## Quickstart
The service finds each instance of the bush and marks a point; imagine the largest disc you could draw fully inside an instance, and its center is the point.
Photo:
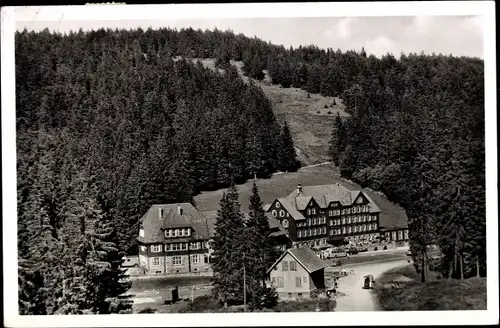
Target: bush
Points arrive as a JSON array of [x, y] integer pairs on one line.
[[147, 310], [325, 305], [326, 106], [375, 249], [308, 95], [329, 112], [385, 247], [205, 303], [265, 297], [318, 112]]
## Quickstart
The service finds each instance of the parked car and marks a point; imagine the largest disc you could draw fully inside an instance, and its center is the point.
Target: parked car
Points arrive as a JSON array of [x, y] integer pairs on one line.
[[352, 251], [337, 263], [130, 261], [363, 249]]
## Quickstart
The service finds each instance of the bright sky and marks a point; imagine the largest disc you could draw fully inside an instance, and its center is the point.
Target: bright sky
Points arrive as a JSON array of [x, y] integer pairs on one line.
[[457, 35]]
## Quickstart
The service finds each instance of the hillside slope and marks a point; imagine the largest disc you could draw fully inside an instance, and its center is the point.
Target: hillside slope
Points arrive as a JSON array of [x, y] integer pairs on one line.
[[280, 185], [310, 116]]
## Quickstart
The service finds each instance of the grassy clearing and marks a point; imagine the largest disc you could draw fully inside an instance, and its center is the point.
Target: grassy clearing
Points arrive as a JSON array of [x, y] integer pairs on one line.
[[441, 295], [281, 185], [310, 116]]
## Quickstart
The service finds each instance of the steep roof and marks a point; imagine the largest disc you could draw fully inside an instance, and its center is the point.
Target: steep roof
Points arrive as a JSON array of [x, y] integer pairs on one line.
[[291, 209], [163, 216], [305, 257], [323, 195]]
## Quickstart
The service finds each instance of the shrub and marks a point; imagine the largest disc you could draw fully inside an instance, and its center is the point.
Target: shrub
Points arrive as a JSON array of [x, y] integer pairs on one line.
[[385, 247], [375, 249], [326, 106], [308, 95], [264, 297], [329, 112], [147, 310], [202, 304], [318, 112]]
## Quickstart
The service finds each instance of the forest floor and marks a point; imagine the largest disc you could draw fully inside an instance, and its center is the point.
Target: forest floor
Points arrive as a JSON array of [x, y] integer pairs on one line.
[[435, 294], [309, 116]]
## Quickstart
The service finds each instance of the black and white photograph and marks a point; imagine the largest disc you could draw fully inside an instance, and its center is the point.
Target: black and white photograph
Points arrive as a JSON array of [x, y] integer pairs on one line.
[[299, 158]]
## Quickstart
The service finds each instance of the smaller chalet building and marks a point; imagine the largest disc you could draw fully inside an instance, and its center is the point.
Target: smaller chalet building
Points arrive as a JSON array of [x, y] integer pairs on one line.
[[297, 273], [174, 238]]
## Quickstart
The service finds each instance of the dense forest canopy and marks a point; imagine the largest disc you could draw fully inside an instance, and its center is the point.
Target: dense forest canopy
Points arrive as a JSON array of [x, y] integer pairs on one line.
[[109, 123]]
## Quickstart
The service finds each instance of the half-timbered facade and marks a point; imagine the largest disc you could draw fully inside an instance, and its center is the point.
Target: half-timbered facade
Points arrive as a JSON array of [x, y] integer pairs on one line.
[[320, 215]]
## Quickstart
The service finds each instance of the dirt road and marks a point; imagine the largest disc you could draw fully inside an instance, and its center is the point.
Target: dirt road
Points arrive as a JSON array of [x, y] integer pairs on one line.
[[356, 298]]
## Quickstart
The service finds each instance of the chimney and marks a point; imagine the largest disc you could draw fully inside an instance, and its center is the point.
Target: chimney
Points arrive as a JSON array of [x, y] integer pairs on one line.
[[299, 189], [179, 209]]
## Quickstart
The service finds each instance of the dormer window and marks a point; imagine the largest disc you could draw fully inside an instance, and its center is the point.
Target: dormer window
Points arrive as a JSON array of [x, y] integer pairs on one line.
[[168, 233], [359, 200], [282, 213], [285, 223], [274, 213], [278, 205]]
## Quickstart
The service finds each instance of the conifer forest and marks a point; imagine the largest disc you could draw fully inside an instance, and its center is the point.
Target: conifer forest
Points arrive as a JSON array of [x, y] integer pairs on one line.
[[110, 122]]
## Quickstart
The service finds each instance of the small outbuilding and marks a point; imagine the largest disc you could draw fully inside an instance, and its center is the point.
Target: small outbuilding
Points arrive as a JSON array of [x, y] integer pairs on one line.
[[297, 273]]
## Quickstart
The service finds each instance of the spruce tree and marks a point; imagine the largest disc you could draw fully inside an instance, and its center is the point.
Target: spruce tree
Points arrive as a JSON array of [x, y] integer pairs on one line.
[[228, 245], [287, 158], [261, 251]]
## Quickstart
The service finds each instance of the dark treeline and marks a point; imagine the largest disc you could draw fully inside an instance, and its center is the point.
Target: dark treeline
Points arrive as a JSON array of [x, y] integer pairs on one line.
[[416, 133], [108, 124]]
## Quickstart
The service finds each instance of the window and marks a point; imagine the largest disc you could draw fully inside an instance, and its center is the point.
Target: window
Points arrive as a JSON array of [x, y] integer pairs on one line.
[[273, 281], [338, 221], [348, 211], [298, 282], [176, 260], [293, 266], [324, 230], [205, 244], [275, 268], [156, 261], [284, 266], [330, 212], [343, 211], [282, 213], [309, 221], [348, 220], [156, 248], [369, 227], [355, 228], [144, 248], [332, 232], [308, 211], [348, 229], [299, 233], [280, 282], [343, 230], [184, 246], [313, 211], [304, 280], [188, 232], [168, 233], [285, 223], [194, 245], [287, 215], [374, 226], [177, 233], [343, 220], [274, 213], [195, 259], [353, 219], [278, 205]]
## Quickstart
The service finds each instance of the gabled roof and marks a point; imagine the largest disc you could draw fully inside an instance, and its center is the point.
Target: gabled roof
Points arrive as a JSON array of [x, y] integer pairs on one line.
[[291, 209], [305, 257], [323, 195], [163, 216]]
